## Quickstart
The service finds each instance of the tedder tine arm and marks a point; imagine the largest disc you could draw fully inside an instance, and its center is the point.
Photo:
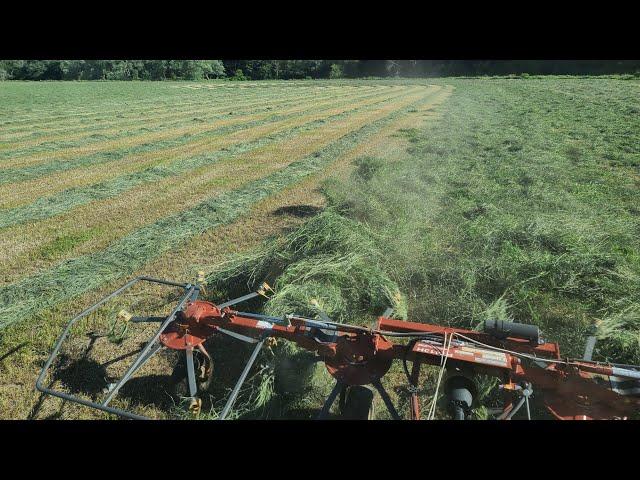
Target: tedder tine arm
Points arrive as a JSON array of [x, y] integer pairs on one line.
[[323, 315], [147, 319], [264, 287], [137, 365], [588, 348], [191, 373], [243, 376], [150, 349], [338, 387], [385, 398], [237, 336], [235, 301]]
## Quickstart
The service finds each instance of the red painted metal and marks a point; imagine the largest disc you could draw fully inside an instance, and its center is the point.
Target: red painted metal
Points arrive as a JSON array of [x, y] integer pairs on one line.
[[361, 357], [190, 328], [415, 401]]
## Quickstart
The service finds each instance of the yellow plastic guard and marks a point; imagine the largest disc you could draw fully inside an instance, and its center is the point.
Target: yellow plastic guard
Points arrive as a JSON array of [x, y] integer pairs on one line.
[[264, 288], [124, 315]]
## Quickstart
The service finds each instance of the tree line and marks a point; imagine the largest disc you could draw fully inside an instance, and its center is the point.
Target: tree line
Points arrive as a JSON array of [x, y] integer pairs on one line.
[[297, 69]]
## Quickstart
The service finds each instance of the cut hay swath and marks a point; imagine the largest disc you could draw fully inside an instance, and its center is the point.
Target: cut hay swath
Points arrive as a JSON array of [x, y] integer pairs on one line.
[[110, 219], [330, 264], [127, 144], [76, 276], [103, 170], [192, 121], [620, 334], [66, 200], [99, 115]]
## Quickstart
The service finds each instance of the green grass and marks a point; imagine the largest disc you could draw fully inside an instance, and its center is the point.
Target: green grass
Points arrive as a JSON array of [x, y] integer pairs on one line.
[[65, 243], [519, 201], [512, 195], [510, 206], [48, 206], [73, 277]]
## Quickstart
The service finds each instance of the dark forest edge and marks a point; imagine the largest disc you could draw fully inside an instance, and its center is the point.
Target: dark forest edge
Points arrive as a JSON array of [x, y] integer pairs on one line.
[[300, 69]]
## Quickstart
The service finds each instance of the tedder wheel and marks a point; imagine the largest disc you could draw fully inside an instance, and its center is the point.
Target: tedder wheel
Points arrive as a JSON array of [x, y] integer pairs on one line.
[[357, 403]]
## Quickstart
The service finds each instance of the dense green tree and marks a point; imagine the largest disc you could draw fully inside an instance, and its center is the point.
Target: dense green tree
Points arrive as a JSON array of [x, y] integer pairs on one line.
[[297, 69], [336, 71], [213, 69]]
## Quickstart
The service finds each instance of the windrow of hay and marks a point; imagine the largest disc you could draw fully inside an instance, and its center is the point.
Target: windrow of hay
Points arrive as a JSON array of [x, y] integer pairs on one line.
[[110, 164], [52, 205], [619, 335], [79, 275], [108, 220], [144, 124], [118, 143], [196, 104], [330, 263], [169, 115], [132, 107]]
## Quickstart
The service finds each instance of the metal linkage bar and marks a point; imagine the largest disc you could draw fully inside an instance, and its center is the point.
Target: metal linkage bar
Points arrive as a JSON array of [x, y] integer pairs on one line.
[[338, 387], [385, 398], [245, 372], [191, 373], [145, 351], [235, 301], [65, 396]]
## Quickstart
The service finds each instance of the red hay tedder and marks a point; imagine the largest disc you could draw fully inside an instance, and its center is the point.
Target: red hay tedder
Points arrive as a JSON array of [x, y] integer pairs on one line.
[[359, 357]]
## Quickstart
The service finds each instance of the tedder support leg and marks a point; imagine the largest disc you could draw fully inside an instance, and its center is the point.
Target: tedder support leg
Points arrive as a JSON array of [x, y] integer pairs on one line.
[[191, 374], [415, 401], [243, 376], [385, 398], [337, 389]]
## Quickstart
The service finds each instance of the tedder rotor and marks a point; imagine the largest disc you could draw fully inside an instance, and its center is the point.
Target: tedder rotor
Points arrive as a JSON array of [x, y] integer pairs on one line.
[[359, 357]]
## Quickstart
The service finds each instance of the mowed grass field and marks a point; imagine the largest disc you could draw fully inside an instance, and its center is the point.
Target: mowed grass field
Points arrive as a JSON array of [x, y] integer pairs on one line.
[[482, 198], [103, 181]]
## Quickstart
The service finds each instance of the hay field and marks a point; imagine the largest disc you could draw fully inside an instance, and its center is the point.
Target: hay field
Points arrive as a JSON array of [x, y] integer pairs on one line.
[[509, 198], [102, 181]]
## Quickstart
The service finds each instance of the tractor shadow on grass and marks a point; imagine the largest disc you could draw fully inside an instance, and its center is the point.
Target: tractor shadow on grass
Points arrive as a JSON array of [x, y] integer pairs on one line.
[[300, 211], [150, 390]]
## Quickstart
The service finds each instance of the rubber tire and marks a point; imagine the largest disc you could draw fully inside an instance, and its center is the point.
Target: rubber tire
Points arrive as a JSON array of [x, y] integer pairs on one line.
[[358, 403]]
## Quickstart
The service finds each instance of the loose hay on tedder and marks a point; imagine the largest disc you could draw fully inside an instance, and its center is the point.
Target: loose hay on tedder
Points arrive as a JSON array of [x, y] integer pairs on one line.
[[358, 357]]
